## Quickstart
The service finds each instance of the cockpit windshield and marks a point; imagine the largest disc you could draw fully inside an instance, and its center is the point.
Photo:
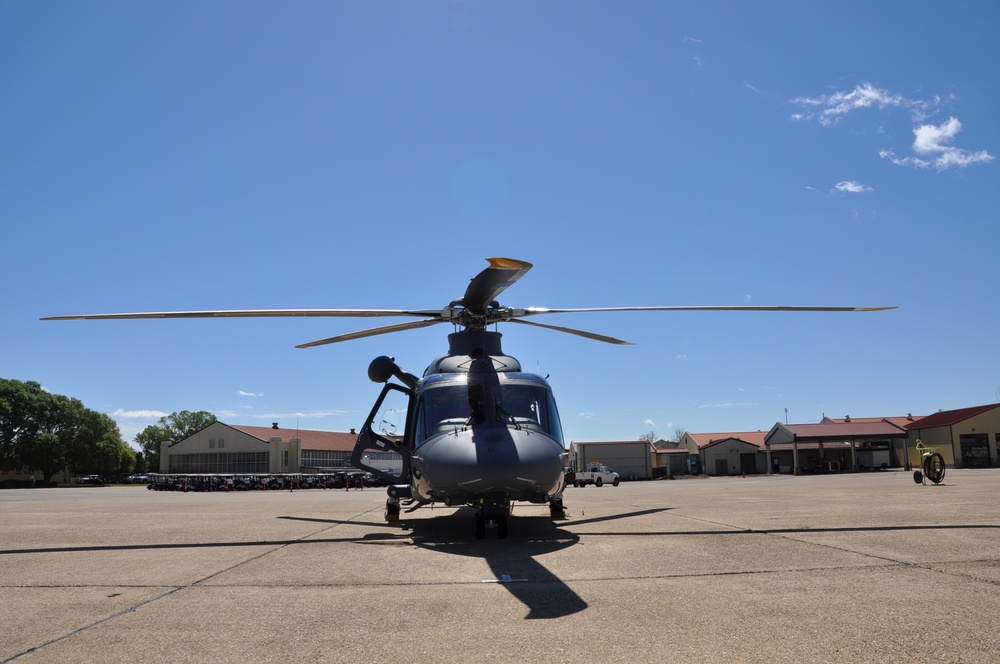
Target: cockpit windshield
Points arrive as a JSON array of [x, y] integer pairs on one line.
[[446, 408], [453, 407]]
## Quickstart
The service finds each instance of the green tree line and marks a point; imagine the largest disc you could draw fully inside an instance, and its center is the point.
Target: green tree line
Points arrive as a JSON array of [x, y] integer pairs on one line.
[[47, 433]]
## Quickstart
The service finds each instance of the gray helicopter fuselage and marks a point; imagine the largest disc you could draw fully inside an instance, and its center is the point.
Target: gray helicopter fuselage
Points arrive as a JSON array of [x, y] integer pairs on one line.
[[475, 434]]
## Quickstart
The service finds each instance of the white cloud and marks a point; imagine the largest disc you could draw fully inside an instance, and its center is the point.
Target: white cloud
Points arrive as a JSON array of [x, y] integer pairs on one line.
[[649, 423], [139, 414], [932, 143], [725, 405], [310, 415], [853, 187], [244, 393], [681, 356], [586, 416]]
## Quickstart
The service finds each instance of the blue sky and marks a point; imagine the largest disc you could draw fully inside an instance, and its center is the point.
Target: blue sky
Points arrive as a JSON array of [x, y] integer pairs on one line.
[[240, 155]]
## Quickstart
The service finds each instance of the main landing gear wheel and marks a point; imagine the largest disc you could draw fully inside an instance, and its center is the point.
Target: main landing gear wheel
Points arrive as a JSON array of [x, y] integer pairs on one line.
[[392, 509], [556, 509]]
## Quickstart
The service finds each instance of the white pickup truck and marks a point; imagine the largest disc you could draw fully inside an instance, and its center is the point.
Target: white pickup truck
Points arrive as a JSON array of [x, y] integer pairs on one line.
[[596, 474]]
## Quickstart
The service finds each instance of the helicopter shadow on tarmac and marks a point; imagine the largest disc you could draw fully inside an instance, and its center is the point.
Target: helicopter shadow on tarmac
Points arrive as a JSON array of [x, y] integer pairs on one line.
[[514, 561]]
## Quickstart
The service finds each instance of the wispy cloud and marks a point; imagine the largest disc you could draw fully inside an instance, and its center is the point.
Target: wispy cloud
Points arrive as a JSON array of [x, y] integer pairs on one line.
[[586, 416], [932, 143], [649, 423], [244, 393], [139, 414], [852, 187], [725, 405], [829, 109], [304, 415]]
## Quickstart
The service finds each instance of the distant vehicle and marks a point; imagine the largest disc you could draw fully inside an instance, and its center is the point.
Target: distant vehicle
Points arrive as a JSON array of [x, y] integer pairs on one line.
[[87, 479], [598, 475]]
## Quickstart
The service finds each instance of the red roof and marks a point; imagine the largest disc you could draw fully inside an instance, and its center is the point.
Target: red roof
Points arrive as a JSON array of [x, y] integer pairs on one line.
[[703, 440], [827, 445], [898, 421], [949, 417], [846, 430], [331, 441]]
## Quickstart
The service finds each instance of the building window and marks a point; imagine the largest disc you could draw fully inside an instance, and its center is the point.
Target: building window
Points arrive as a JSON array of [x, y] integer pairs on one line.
[[211, 443], [226, 462], [326, 459]]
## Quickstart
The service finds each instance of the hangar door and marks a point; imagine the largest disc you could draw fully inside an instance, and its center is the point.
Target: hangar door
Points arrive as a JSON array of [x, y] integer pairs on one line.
[[975, 450], [748, 463]]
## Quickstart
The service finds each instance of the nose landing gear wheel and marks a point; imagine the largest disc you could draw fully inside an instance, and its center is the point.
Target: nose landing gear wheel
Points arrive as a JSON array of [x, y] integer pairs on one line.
[[480, 526], [499, 522]]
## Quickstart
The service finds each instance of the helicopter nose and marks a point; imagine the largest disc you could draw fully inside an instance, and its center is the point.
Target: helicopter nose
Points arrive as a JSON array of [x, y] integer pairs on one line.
[[491, 459]]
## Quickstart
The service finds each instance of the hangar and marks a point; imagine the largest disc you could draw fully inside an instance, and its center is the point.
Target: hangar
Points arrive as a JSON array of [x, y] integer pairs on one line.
[[631, 459], [834, 445], [727, 453], [966, 437], [223, 448]]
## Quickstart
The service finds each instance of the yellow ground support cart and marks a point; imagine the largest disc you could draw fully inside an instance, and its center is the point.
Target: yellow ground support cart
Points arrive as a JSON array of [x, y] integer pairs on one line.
[[931, 465]]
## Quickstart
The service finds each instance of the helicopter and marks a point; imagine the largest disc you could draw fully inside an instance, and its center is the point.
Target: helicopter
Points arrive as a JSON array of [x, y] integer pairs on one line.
[[479, 431]]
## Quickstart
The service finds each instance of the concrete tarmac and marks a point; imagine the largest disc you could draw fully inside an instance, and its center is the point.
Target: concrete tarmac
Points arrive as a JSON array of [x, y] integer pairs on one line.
[[838, 568]]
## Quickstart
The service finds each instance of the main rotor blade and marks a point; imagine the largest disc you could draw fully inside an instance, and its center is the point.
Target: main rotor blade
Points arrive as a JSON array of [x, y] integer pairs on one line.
[[579, 333], [488, 284], [256, 313], [532, 311], [372, 332]]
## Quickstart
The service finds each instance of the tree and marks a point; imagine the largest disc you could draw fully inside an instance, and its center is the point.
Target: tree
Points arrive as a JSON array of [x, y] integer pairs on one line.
[[49, 433], [173, 427], [18, 407]]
